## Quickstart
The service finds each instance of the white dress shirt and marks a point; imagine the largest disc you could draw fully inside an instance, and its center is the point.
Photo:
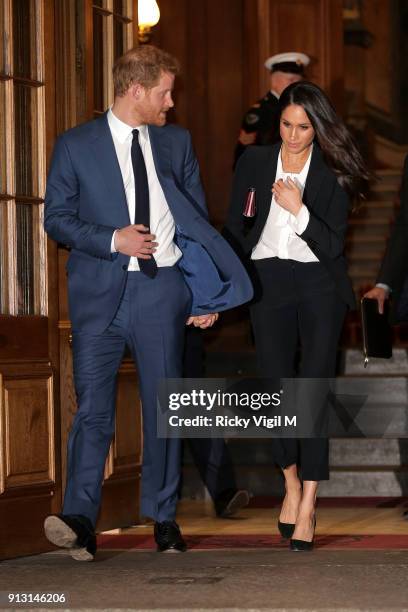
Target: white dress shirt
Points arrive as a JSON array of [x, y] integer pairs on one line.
[[161, 219], [280, 237]]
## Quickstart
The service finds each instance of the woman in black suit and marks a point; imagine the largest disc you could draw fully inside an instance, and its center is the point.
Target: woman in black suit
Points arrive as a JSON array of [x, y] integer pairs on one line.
[[295, 250]]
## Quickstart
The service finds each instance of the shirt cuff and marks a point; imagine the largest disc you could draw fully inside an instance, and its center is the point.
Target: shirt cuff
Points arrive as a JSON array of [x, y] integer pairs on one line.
[[299, 222], [113, 249], [384, 286]]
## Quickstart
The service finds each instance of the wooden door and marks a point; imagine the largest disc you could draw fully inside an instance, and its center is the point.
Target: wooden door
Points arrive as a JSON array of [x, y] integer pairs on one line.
[[30, 482], [50, 52]]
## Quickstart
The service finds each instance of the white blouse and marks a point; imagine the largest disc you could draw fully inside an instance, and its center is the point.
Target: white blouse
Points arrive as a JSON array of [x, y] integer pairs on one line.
[[280, 237]]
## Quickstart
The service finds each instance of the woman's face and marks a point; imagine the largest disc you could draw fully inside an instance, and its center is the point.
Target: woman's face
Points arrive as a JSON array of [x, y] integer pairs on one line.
[[296, 131]]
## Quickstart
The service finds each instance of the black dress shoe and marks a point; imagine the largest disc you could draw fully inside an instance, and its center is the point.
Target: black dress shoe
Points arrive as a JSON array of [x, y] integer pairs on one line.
[[286, 529], [303, 545], [72, 531], [168, 537], [231, 502]]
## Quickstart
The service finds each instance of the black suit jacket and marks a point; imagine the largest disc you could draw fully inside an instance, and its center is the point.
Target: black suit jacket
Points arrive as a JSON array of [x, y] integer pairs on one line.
[[394, 268], [326, 200]]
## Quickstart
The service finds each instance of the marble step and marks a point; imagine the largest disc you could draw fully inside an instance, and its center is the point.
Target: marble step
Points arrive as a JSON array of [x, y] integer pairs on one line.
[[380, 208], [344, 482], [397, 365], [360, 256]]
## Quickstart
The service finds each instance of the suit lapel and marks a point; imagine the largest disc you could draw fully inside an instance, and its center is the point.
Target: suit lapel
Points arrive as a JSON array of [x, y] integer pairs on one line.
[[161, 150], [103, 150], [316, 174], [265, 179]]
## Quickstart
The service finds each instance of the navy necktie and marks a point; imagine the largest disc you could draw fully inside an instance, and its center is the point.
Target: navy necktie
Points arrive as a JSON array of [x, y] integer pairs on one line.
[[142, 214]]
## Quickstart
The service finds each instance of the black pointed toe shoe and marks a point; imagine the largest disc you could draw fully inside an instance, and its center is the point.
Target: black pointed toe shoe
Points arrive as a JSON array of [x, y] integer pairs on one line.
[[72, 531], [168, 537], [303, 545], [286, 529], [231, 502]]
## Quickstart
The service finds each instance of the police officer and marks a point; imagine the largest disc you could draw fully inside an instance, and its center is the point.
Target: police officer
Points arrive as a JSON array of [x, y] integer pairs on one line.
[[260, 122]]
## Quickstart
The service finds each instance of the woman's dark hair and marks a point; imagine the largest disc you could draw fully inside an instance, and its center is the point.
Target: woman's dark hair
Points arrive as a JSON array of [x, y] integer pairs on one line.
[[337, 144]]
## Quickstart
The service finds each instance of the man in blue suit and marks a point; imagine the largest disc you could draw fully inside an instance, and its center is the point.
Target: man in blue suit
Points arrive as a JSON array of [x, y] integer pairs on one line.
[[124, 193]]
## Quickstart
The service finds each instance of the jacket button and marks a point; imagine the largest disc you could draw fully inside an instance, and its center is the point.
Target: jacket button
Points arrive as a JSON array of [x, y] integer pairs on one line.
[[124, 267]]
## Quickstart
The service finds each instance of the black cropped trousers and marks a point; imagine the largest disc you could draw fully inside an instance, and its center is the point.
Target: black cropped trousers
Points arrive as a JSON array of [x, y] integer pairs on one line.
[[297, 307]]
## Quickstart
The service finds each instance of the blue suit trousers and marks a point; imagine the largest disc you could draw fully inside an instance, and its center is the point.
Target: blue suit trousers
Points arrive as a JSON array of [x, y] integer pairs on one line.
[[151, 320]]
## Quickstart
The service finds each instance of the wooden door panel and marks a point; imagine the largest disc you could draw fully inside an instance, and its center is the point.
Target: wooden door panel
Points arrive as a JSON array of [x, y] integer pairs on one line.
[[121, 489], [125, 455], [29, 464], [314, 27], [28, 443]]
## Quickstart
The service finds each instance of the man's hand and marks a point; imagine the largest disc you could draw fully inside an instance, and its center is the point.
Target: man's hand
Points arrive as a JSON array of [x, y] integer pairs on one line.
[[203, 321], [135, 240], [246, 138], [288, 195], [379, 294]]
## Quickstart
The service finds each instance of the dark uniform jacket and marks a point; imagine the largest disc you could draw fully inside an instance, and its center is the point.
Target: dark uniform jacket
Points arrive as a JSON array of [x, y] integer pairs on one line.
[[261, 118]]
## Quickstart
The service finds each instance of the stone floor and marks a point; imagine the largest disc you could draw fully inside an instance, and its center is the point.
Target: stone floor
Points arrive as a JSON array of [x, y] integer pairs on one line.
[[215, 580]]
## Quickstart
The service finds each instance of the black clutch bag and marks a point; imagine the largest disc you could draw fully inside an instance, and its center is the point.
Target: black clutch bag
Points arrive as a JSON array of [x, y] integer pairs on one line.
[[377, 332]]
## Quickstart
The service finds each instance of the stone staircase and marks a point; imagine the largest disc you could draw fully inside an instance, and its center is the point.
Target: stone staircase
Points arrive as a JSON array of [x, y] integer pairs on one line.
[[369, 229], [359, 467]]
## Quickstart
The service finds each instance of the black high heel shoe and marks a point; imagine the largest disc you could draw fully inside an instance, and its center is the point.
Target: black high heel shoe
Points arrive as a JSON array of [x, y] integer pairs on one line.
[[286, 529], [303, 545]]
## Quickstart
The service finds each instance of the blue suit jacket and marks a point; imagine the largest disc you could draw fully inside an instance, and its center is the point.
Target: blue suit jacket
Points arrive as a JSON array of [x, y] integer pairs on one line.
[[85, 202]]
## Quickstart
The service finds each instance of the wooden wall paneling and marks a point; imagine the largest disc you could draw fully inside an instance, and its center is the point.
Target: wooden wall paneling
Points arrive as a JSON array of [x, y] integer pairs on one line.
[[52, 266], [196, 84], [28, 431], [182, 31], [66, 60], [29, 472], [314, 27], [207, 38], [67, 394], [224, 98], [2, 445], [254, 52], [295, 27], [171, 35], [378, 84], [267, 41], [386, 77], [332, 52], [84, 60]]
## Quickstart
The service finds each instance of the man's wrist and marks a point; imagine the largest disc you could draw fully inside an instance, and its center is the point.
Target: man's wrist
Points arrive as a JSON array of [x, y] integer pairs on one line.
[[113, 245]]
